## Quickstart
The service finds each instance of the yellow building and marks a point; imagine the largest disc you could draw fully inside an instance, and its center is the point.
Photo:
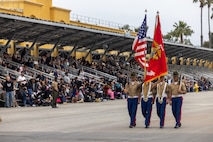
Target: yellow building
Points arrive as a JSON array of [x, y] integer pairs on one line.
[[41, 9]]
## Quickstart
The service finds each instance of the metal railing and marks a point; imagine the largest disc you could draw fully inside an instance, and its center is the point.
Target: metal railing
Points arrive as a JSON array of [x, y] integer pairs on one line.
[[193, 72], [98, 73], [12, 72], [98, 22], [72, 72], [85, 73], [54, 69], [31, 71], [2, 78]]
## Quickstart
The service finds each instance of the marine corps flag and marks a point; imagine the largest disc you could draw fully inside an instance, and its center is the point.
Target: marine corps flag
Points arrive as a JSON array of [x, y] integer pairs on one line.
[[157, 62]]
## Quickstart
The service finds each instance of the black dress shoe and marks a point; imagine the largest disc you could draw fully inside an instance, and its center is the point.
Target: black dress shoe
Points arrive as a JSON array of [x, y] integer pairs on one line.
[[134, 125], [161, 127], [176, 126], [180, 125], [146, 126], [130, 126]]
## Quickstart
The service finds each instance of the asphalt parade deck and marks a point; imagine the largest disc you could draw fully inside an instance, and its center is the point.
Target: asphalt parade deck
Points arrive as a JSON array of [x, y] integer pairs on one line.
[[107, 122]]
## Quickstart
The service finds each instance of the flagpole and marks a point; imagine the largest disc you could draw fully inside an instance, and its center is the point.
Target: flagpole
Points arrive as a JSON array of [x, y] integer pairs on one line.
[[151, 54], [156, 21], [145, 70]]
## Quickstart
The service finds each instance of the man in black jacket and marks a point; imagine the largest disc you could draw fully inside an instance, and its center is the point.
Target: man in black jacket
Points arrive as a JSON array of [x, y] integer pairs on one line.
[[8, 88]]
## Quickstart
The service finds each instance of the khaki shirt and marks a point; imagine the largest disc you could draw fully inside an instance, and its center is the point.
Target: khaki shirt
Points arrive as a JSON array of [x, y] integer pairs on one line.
[[133, 88], [175, 87], [55, 86]]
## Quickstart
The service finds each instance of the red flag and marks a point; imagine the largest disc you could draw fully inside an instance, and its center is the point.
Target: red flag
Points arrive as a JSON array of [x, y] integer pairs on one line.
[[157, 63]]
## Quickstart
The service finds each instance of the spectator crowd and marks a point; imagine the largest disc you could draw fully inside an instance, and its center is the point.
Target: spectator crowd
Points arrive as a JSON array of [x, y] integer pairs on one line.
[[23, 88]]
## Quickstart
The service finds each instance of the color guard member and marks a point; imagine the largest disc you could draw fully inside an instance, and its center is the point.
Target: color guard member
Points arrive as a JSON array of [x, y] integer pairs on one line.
[[177, 89], [161, 100], [133, 98], [147, 101]]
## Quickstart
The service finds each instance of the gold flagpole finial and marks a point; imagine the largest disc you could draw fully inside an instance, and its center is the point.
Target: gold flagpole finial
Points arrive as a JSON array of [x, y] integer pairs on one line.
[[158, 12], [145, 10]]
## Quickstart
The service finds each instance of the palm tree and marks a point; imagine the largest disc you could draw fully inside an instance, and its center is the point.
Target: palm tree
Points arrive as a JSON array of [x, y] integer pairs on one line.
[[202, 2], [126, 27], [209, 2], [170, 36], [181, 30]]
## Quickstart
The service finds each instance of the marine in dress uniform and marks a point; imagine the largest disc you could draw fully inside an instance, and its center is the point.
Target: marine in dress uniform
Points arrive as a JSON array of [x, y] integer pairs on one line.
[[133, 98], [177, 89], [161, 100], [55, 91], [147, 101]]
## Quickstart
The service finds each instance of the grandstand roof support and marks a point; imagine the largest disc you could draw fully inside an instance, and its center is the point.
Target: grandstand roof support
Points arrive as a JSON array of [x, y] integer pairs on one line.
[[33, 44], [91, 49], [106, 50], [75, 46], [130, 56], [6, 45], [56, 44]]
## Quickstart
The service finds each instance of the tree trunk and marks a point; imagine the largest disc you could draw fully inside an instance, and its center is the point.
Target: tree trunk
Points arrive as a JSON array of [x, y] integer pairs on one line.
[[209, 26], [181, 38], [201, 23]]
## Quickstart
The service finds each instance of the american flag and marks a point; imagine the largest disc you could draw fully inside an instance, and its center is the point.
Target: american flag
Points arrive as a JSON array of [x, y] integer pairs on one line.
[[140, 45]]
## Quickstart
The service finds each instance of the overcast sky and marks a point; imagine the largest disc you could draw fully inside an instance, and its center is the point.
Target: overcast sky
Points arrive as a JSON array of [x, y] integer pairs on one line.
[[132, 12]]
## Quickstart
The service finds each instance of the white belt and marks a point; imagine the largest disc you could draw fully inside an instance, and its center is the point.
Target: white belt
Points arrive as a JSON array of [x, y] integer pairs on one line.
[[150, 96], [132, 96], [176, 96], [161, 96]]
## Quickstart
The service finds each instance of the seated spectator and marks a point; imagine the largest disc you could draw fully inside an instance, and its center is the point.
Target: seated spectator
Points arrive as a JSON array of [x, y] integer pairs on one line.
[[40, 76], [92, 89], [118, 90], [99, 91], [109, 92], [30, 63], [74, 94], [81, 94], [22, 81], [196, 87], [30, 87], [62, 91], [67, 78], [1, 94]]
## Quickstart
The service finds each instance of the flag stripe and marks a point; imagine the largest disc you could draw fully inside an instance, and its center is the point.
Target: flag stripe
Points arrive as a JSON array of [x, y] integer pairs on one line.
[[140, 54], [140, 45], [143, 62]]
